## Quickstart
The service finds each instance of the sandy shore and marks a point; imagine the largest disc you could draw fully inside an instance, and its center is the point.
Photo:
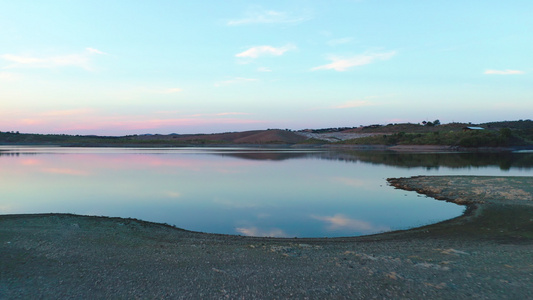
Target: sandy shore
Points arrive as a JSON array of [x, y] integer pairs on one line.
[[485, 254]]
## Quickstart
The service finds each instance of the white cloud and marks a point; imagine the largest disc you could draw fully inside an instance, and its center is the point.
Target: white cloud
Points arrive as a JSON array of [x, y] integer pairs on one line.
[[341, 41], [268, 17], [504, 72], [257, 51], [69, 60], [264, 69], [237, 80], [171, 91], [342, 64], [21, 59], [96, 51]]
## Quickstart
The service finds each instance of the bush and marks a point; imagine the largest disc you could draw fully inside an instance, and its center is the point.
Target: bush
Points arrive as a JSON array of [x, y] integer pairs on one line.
[[468, 139]]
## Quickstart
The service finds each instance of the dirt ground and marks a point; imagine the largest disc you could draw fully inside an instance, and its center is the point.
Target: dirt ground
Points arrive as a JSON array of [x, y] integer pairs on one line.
[[485, 254]]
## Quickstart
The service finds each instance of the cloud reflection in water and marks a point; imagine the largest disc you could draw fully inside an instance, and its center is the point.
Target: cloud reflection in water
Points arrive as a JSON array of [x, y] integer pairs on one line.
[[254, 231], [340, 222]]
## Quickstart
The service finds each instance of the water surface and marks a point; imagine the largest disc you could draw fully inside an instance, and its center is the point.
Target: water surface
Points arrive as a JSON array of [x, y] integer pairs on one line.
[[259, 192]]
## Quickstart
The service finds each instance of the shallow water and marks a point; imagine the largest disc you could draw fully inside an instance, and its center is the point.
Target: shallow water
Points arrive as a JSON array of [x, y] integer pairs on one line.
[[259, 192]]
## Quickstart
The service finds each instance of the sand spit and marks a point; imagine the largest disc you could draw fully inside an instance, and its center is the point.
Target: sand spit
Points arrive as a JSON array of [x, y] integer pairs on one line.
[[485, 254]]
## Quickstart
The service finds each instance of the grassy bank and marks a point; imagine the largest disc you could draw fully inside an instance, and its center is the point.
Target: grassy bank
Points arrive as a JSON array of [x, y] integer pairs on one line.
[[469, 139]]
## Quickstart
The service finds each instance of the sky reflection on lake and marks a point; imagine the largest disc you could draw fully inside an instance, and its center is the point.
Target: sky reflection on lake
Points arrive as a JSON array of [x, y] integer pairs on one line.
[[282, 193]]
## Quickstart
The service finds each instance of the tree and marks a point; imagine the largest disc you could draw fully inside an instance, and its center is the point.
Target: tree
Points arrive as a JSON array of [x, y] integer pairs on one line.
[[505, 133]]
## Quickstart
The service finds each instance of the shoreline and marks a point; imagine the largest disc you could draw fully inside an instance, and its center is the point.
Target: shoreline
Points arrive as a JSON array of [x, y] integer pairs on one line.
[[485, 253]]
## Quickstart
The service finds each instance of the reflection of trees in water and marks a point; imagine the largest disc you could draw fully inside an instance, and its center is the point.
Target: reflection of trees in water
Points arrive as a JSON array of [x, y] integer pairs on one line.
[[3, 153], [9, 153], [269, 155], [505, 160]]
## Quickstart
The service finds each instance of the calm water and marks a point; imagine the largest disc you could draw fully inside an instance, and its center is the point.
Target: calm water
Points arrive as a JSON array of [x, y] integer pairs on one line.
[[286, 193]]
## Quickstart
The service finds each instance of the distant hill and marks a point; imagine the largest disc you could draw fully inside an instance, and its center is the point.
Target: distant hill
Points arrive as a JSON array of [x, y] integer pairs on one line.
[[408, 127], [419, 128], [518, 125], [272, 136], [491, 134]]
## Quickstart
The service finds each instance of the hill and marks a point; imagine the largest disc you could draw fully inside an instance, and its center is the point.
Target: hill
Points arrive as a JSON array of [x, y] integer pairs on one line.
[[491, 134], [271, 136]]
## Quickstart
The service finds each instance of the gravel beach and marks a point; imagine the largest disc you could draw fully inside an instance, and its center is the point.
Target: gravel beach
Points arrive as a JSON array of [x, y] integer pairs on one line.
[[485, 254]]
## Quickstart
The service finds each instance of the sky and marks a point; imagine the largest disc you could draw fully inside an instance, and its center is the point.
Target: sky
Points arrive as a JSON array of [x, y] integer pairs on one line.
[[135, 67]]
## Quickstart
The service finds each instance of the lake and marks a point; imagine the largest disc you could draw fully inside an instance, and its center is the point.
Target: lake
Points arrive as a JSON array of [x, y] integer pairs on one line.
[[244, 191]]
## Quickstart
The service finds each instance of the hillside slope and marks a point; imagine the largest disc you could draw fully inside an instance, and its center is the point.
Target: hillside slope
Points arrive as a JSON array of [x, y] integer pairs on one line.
[[272, 136]]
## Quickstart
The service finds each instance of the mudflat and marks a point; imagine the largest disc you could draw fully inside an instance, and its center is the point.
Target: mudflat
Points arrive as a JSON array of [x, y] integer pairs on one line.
[[485, 254]]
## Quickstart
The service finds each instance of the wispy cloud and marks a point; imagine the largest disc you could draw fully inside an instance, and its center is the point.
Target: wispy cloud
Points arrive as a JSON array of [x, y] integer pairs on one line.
[[341, 222], [51, 116], [174, 122], [254, 231], [325, 33], [8, 76], [135, 91], [237, 80], [30, 122], [96, 51], [353, 104], [81, 60], [171, 91], [167, 112], [221, 114], [89, 121], [504, 72], [269, 17], [67, 112], [343, 63], [257, 51], [340, 41], [23, 59], [361, 102], [264, 69]]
